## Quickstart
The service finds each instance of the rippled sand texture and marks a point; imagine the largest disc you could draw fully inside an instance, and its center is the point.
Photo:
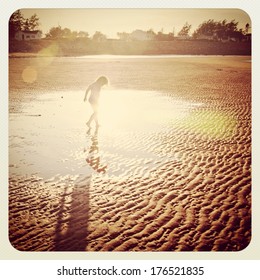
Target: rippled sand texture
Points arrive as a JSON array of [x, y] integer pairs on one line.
[[169, 169]]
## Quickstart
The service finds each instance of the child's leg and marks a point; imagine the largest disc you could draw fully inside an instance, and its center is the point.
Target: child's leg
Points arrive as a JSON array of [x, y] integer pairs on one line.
[[94, 116], [90, 120]]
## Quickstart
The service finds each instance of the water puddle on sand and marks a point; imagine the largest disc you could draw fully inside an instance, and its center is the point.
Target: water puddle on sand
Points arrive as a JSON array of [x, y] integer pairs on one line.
[[50, 136]]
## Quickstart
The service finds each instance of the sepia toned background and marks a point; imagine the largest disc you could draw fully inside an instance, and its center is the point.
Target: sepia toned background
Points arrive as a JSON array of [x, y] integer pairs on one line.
[[149, 88]]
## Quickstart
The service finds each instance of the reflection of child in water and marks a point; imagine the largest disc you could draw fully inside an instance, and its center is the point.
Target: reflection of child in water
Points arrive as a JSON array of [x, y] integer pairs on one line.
[[93, 158], [95, 89]]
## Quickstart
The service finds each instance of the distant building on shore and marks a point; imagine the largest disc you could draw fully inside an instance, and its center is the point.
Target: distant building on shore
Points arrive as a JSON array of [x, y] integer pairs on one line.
[[140, 35], [235, 36], [206, 37], [28, 35], [183, 37], [136, 35]]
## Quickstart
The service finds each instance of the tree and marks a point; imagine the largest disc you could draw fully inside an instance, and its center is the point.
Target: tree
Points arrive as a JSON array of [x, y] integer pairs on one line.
[[185, 30], [247, 27], [160, 36], [83, 34], [207, 28], [219, 29], [151, 34], [98, 36], [16, 23], [33, 22], [55, 33], [66, 32], [170, 36], [74, 34], [123, 36], [231, 26]]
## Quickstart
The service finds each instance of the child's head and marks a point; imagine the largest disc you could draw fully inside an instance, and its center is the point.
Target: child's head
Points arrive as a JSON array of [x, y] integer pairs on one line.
[[102, 80]]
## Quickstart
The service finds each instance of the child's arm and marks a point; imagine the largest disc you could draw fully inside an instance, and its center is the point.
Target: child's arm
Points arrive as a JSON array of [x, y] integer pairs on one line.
[[86, 94]]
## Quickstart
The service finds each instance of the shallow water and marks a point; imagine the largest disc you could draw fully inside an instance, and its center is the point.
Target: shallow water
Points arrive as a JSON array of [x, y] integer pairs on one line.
[[50, 136]]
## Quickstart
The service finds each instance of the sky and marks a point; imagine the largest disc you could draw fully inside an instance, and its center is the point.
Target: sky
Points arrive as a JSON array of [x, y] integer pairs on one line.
[[111, 21]]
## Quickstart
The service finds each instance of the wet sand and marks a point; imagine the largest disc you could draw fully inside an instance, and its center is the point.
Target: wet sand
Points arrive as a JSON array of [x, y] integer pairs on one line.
[[168, 170]]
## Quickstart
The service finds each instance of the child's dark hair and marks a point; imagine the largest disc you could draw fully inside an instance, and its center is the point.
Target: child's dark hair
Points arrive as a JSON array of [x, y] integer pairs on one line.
[[103, 80]]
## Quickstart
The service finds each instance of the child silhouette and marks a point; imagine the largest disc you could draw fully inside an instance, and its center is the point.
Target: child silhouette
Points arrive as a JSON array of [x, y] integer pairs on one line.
[[94, 90]]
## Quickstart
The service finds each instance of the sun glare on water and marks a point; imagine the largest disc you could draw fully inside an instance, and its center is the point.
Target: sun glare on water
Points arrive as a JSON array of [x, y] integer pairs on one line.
[[151, 111], [55, 126], [132, 109]]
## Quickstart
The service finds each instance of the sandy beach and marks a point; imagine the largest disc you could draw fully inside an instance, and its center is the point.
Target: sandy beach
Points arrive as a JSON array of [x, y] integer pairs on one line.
[[168, 170]]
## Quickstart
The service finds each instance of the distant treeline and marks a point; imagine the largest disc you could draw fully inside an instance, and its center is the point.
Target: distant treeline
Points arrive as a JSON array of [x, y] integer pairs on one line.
[[210, 29], [84, 46]]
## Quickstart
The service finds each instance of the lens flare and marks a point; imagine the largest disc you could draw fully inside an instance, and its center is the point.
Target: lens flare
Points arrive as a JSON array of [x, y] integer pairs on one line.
[[47, 55], [29, 75], [216, 125]]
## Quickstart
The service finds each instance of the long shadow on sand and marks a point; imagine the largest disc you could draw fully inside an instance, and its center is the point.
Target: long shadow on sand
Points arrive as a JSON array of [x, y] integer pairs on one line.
[[72, 219]]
